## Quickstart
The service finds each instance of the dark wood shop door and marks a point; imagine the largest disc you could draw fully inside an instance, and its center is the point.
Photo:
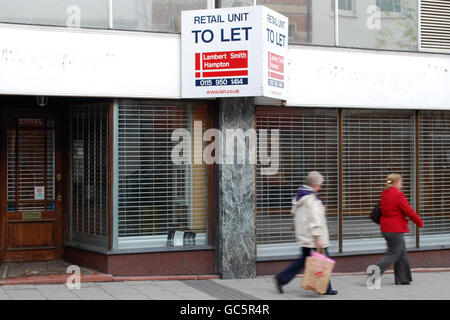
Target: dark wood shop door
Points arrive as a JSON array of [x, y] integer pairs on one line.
[[31, 188]]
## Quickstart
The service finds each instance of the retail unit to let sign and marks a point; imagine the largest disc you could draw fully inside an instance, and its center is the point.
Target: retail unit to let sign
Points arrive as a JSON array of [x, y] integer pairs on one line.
[[234, 52]]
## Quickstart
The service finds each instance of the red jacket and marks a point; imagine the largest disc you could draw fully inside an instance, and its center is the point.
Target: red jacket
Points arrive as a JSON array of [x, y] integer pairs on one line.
[[394, 210]]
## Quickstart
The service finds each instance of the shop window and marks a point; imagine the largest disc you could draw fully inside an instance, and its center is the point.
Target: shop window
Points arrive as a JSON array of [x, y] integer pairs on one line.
[[308, 141], [152, 15], [89, 169], [435, 176], [375, 144], [160, 203]]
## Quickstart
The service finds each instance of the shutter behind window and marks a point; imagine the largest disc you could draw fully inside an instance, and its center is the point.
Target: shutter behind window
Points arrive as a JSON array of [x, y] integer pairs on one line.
[[156, 196], [435, 172], [308, 141], [90, 172], [375, 144]]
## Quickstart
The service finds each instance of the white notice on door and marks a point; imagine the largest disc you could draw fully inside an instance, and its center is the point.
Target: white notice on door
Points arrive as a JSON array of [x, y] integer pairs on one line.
[[178, 238], [39, 193]]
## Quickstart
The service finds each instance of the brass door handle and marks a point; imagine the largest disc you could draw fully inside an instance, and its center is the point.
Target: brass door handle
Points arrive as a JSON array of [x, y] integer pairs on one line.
[[58, 187]]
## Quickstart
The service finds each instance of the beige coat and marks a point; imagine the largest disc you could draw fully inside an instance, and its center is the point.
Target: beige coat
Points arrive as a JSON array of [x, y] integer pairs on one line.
[[310, 222]]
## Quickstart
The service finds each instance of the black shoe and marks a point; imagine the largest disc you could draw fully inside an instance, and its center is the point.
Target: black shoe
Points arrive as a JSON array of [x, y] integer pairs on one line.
[[332, 292], [279, 285], [402, 283]]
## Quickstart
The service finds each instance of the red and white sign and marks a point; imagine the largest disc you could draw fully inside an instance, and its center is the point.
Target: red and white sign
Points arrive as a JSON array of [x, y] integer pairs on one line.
[[276, 66], [224, 52], [39, 193]]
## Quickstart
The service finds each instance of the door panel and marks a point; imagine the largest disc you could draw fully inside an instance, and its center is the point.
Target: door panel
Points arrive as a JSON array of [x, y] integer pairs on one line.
[[32, 234], [31, 218]]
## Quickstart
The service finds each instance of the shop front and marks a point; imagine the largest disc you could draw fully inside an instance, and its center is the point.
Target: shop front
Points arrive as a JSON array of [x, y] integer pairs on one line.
[[92, 181]]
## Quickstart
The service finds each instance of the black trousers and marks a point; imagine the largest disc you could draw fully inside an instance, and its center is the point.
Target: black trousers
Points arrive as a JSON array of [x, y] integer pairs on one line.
[[297, 265], [397, 256]]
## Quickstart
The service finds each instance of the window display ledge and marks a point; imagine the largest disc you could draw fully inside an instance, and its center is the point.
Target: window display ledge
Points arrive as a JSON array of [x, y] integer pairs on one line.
[[353, 253], [138, 250]]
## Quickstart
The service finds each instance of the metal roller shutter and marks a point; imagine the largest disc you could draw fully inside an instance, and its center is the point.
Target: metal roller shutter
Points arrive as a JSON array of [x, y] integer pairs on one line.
[[308, 141], [435, 172], [89, 191], [156, 196], [434, 25], [31, 164], [375, 144]]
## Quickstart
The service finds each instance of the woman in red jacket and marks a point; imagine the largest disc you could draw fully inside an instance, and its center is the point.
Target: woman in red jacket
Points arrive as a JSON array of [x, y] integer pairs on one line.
[[395, 210]]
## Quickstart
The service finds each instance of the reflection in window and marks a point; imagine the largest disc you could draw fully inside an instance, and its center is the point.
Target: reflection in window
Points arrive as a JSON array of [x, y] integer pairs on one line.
[[346, 5], [236, 3], [152, 15], [390, 5], [310, 22], [381, 24], [66, 13]]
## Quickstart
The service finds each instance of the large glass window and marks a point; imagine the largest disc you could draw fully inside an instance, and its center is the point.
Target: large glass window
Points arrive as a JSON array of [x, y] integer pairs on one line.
[[89, 182], [236, 3], [355, 150], [152, 15], [67, 13], [161, 203], [375, 144], [378, 24], [310, 22], [435, 176], [308, 141]]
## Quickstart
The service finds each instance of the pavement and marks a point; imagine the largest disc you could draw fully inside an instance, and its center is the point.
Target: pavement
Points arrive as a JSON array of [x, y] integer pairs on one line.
[[427, 285]]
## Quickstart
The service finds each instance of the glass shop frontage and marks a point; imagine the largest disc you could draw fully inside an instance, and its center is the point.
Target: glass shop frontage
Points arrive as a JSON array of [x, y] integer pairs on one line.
[[92, 181]]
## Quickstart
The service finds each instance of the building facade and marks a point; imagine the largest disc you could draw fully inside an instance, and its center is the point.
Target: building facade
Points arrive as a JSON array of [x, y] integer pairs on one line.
[[90, 98]]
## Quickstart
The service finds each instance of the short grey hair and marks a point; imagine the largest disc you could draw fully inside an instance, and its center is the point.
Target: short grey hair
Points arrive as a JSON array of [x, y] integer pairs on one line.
[[314, 178]]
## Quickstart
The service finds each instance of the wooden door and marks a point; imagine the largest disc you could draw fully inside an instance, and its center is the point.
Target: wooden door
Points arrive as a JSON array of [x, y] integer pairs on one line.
[[32, 187]]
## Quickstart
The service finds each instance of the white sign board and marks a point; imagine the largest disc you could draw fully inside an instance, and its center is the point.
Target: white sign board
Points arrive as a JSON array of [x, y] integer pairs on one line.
[[234, 52], [39, 193]]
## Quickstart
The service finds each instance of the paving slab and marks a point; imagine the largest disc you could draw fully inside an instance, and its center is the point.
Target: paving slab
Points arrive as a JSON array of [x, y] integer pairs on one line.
[[25, 294], [92, 293], [122, 291], [425, 286], [57, 292]]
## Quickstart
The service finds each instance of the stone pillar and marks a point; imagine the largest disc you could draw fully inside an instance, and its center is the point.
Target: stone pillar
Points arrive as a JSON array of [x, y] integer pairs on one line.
[[235, 198]]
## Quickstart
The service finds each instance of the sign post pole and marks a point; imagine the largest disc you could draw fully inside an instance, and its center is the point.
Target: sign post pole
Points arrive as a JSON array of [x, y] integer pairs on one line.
[[235, 55]]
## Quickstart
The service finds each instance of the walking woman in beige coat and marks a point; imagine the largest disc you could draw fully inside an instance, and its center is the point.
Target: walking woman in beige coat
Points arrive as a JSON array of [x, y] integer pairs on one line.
[[311, 228]]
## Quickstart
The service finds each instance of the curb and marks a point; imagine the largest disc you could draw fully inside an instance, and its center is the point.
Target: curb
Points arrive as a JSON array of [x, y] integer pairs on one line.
[[54, 279], [99, 277], [102, 277], [164, 278]]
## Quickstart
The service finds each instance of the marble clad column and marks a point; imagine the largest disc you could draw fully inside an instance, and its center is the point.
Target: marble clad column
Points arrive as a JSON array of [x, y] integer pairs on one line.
[[235, 220]]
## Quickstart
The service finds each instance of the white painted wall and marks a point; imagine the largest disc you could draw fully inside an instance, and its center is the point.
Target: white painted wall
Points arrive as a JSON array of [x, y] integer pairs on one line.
[[336, 77], [97, 63]]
